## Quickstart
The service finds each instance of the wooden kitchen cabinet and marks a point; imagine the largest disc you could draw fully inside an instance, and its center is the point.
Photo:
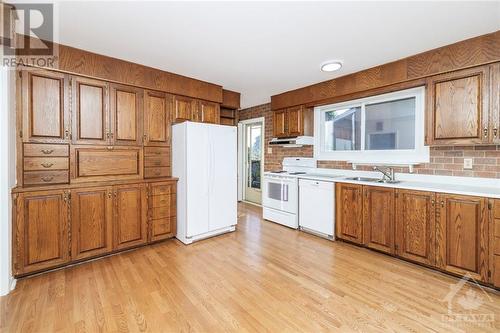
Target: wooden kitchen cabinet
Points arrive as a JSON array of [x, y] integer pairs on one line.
[[41, 230], [162, 205], [126, 115], [129, 215], [458, 107], [495, 242], [495, 103], [91, 222], [158, 109], [209, 112], [415, 226], [184, 109], [378, 218], [45, 111], [462, 235], [349, 212], [294, 121], [90, 111]]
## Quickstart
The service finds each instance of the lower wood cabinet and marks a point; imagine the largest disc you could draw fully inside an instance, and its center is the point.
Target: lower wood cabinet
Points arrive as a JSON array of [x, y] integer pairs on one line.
[[57, 227], [495, 242], [41, 237], [91, 222], [130, 215], [378, 218], [349, 212], [462, 235], [415, 226]]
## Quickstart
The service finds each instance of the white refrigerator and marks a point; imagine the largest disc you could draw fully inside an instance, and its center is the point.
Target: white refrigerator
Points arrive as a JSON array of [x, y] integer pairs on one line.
[[204, 159]]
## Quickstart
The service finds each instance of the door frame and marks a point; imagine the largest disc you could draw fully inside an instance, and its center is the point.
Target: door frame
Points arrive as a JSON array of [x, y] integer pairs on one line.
[[242, 172]]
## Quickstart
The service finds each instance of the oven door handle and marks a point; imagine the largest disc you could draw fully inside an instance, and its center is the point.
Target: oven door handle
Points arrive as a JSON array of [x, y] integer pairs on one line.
[[285, 192]]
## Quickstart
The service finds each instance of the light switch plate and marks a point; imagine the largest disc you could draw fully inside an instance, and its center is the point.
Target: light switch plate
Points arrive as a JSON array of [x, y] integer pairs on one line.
[[468, 163], [269, 150]]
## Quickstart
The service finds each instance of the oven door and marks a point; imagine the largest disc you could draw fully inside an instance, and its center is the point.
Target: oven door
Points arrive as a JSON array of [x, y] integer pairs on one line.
[[280, 193]]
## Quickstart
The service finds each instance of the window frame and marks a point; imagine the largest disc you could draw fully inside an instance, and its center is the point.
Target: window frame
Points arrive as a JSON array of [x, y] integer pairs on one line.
[[420, 154]]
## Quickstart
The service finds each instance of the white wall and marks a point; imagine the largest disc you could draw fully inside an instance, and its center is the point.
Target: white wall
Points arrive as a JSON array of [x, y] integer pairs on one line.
[[7, 174]]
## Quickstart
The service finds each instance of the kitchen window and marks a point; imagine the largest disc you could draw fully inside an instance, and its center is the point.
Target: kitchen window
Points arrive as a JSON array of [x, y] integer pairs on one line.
[[385, 129]]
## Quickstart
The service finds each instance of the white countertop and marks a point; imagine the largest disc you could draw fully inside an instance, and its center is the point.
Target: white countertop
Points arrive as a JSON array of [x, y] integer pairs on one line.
[[483, 187]]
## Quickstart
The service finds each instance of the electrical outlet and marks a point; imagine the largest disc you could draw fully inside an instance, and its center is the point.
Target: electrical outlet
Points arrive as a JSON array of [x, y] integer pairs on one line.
[[468, 163], [269, 150]]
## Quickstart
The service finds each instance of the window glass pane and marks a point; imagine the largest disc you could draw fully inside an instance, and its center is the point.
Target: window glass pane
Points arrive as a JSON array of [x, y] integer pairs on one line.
[[343, 129], [390, 125]]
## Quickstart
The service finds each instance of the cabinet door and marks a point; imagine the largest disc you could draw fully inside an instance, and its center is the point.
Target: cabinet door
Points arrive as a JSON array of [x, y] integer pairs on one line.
[[295, 121], [495, 243], [209, 112], [45, 106], [415, 226], [495, 102], [41, 231], [279, 123], [130, 215], [126, 115], [184, 109], [462, 235], [157, 115], [349, 212], [458, 107], [378, 218], [91, 222], [90, 111]]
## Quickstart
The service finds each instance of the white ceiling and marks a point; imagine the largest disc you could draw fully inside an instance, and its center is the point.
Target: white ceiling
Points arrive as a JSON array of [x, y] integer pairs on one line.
[[264, 48]]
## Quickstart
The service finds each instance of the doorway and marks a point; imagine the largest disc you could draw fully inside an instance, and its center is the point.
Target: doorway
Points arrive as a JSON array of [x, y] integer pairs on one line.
[[252, 159]]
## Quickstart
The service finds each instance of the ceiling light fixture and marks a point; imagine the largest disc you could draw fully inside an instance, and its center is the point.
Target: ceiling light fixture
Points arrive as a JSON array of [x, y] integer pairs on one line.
[[331, 66]]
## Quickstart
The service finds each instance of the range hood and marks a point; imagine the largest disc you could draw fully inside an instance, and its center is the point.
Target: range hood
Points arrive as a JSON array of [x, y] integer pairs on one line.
[[297, 141]]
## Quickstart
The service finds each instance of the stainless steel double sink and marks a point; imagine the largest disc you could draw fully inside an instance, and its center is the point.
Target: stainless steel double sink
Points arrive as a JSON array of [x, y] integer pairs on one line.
[[372, 180]]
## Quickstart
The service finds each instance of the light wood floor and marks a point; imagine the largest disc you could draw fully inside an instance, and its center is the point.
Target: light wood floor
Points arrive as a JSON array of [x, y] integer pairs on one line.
[[263, 277]]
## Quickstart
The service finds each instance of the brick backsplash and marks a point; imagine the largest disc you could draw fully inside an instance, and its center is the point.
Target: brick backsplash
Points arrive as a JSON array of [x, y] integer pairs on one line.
[[444, 161]]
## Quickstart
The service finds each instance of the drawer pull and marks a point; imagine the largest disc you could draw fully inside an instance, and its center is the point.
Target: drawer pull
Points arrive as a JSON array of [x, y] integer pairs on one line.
[[47, 151], [47, 178], [157, 163], [47, 165], [157, 173]]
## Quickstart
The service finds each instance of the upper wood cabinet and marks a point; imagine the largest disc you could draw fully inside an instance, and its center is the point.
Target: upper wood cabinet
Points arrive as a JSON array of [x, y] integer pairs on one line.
[[90, 111], [158, 109], [294, 121], [45, 113], [349, 212], [130, 215], [41, 231], [415, 226], [462, 235], [126, 115], [378, 218], [91, 222], [184, 109], [209, 112], [495, 103], [458, 107]]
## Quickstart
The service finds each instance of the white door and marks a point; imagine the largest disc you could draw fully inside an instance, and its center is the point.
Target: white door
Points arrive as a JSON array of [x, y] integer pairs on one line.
[[253, 160], [223, 185], [197, 178]]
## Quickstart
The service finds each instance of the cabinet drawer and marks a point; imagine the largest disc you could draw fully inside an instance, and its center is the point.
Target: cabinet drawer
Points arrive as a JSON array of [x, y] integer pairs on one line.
[[162, 212], [47, 150], [162, 226], [161, 200], [156, 172], [496, 245], [156, 160], [45, 163], [46, 177], [163, 188], [496, 209], [92, 164], [155, 151]]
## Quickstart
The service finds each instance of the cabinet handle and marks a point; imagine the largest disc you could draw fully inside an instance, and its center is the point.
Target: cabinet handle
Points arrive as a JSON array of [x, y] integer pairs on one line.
[[144, 138], [47, 165], [47, 151], [495, 133], [66, 134], [485, 132], [442, 203], [110, 147], [157, 173], [109, 195], [433, 203], [157, 163], [47, 178]]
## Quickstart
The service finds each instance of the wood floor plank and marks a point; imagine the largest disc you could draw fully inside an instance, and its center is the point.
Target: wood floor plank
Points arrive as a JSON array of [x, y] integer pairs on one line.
[[263, 277]]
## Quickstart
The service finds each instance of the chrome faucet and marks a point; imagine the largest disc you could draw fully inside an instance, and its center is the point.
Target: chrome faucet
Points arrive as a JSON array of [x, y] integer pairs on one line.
[[388, 174]]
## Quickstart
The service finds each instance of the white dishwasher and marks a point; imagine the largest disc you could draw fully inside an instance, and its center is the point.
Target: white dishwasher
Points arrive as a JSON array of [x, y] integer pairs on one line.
[[317, 207]]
